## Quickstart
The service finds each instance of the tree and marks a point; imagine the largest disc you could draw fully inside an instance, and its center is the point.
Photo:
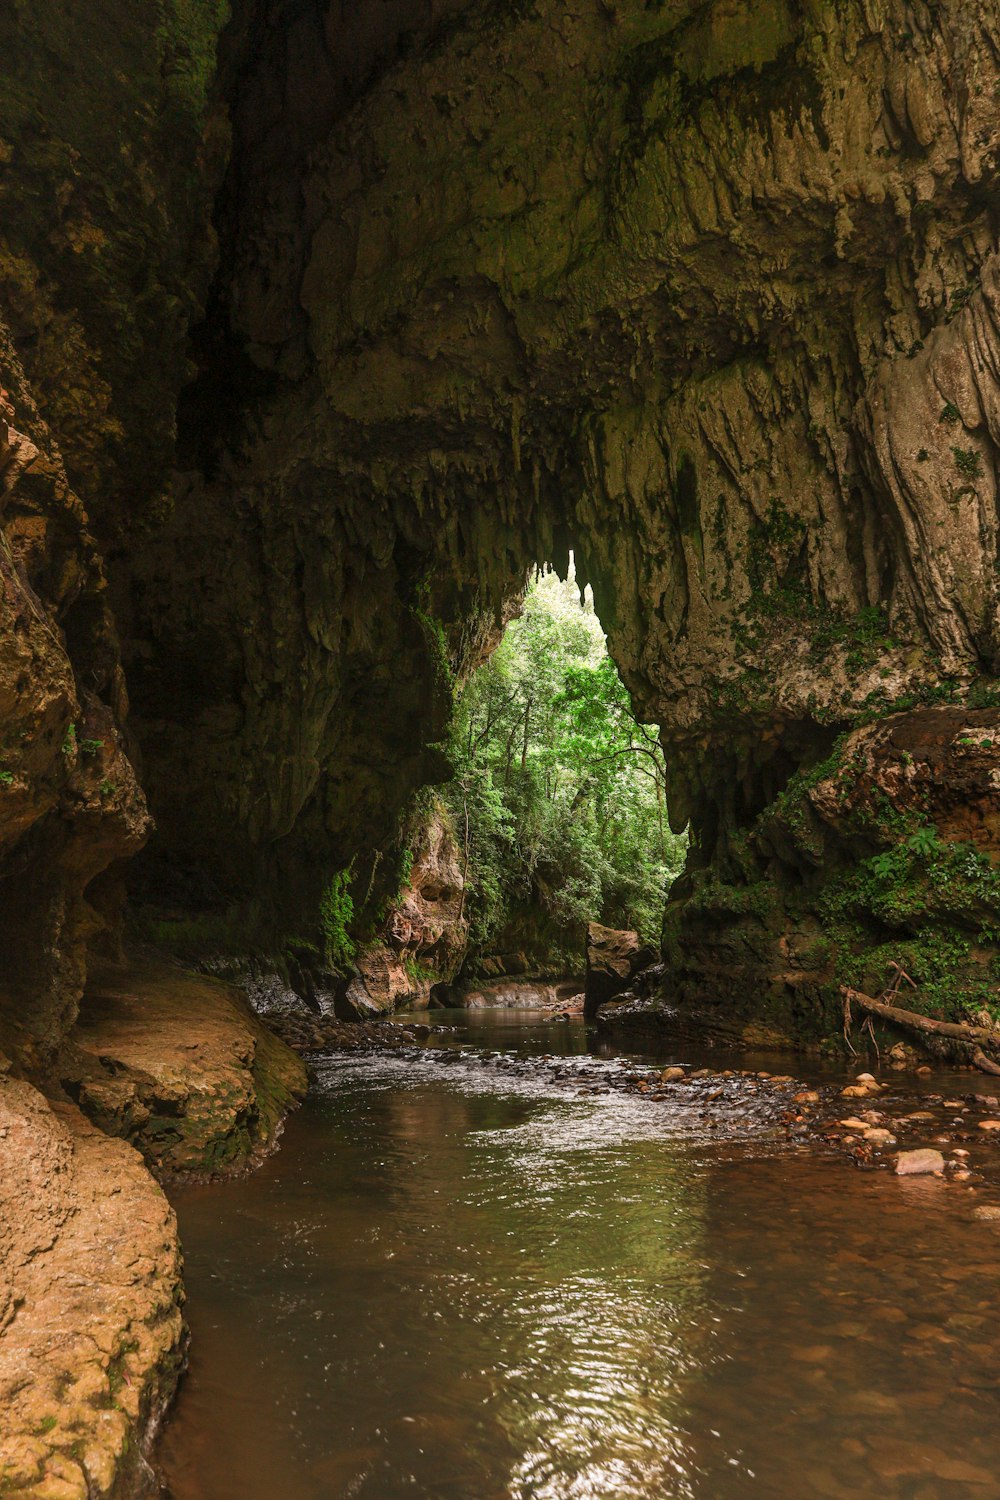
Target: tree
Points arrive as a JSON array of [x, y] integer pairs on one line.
[[561, 790]]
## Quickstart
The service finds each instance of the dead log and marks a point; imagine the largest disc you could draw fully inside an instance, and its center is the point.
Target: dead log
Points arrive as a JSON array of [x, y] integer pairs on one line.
[[974, 1038], [984, 1063]]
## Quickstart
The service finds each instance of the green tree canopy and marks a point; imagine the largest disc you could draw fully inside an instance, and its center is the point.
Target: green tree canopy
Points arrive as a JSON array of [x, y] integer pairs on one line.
[[559, 793]]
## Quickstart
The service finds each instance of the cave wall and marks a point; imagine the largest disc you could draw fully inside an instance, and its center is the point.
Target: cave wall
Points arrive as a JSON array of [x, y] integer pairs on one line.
[[109, 158], [706, 291], [714, 302]]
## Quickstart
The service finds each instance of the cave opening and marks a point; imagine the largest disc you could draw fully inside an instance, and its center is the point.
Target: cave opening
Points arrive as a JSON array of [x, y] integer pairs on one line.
[[559, 793]]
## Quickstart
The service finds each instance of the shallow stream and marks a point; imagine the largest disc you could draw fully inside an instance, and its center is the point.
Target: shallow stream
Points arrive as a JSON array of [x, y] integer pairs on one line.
[[456, 1281]]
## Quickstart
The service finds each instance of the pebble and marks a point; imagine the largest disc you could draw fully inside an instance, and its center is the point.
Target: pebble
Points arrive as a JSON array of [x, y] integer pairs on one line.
[[989, 1211], [672, 1075], [880, 1137], [914, 1163], [989, 1124]]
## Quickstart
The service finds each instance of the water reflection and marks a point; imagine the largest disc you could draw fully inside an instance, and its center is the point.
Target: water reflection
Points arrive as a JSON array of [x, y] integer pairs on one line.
[[459, 1286]]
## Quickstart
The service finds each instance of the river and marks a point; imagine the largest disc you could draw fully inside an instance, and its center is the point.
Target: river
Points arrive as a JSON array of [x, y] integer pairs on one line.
[[453, 1282]]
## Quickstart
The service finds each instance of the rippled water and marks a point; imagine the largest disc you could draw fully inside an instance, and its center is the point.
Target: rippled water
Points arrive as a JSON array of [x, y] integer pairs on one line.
[[449, 1283]]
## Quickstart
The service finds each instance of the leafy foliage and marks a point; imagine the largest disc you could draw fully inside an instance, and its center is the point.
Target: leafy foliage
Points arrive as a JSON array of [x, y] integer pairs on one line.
[[559, 792]]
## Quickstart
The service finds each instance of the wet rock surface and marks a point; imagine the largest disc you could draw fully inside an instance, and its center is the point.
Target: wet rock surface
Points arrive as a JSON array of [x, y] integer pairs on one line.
[[526, 994], [178, 1064], [613, 957]]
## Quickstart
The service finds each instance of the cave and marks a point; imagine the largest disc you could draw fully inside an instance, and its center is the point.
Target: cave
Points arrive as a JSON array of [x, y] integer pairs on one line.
[[321, 329]]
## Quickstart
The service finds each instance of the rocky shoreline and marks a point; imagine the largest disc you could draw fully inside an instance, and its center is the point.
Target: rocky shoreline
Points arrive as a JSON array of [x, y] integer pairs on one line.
[[897, 1123], [168, 1076]]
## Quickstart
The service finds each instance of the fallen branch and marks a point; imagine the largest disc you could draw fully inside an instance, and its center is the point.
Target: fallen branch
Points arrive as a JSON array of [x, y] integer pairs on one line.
[[975, 1038], [984, 1063]]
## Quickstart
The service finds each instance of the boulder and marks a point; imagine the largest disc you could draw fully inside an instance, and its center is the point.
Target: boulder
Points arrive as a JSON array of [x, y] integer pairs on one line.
[[918, 1163], [613, 957]]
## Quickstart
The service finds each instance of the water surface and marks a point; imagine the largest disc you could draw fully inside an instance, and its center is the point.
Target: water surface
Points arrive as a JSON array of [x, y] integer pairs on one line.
[[452, 1283]]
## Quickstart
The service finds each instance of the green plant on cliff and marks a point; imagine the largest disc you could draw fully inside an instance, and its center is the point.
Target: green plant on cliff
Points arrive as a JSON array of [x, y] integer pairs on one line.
[[188, 36], [336, 909], [925, 903], [562, 791]]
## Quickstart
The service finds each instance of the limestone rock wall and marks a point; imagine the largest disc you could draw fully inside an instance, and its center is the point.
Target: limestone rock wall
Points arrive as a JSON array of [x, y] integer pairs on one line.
[[422, 941], [91, 1333], [70, 804], [705, 291], [713, 302], [109, 158]]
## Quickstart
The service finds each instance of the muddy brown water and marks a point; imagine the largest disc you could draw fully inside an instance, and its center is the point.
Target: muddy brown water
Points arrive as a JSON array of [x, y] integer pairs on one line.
[[458, 1285]]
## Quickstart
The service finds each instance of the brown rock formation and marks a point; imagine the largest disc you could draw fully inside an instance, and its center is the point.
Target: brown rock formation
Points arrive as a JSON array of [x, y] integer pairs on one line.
[[70, 804], [91, 1335], [424, 937], [178, 1065], [613, 959]]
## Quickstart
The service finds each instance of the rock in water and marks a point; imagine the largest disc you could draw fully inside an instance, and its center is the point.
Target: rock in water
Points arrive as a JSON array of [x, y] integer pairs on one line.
[[917, 1163], [613, 957]]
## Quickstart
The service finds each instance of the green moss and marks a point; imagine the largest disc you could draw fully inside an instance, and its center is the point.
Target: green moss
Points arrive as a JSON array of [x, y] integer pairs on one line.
[[968, 462], [437, 641], [928, 904], [188, 36], [336, 915], [419, 973], [984, 693]]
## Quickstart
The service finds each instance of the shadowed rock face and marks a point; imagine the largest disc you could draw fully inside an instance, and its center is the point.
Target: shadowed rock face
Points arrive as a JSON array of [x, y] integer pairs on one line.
[[70, 804], [707, 292]]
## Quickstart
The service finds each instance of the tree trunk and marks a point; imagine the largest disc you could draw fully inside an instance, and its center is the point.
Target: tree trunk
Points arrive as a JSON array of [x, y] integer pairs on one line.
[[465, 867], [974, 1038]]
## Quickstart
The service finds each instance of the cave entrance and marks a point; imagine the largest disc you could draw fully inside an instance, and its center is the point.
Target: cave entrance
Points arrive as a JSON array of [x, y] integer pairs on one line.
[[559, 793]]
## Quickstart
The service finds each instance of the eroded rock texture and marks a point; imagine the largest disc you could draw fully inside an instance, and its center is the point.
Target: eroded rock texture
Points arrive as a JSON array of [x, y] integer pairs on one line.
[[70, 805], [707, 292], [423, 940], [177, 1064], [108, 161], [91, 1334]]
